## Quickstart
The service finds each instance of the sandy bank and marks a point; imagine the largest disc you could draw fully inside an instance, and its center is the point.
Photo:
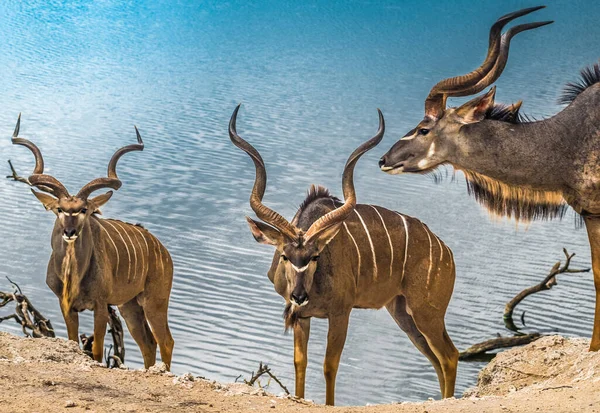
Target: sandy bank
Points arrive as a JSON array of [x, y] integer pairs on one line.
[[553, 374]]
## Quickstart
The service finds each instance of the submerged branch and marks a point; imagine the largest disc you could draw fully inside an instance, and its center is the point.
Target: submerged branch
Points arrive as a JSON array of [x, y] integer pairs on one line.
[[546, 284], [481, 350]]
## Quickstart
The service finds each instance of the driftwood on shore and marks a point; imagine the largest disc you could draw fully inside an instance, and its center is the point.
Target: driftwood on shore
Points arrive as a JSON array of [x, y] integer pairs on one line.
[[33, 323], [480, 350]]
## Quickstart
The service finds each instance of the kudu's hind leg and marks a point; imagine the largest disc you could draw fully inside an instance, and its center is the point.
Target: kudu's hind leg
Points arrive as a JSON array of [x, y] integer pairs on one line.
[[156, 314], [593, 228], [138, 327], [430, 322], [397, 309]]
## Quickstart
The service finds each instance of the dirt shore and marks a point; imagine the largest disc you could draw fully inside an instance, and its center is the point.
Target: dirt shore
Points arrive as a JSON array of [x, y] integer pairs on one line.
[[554, 374]]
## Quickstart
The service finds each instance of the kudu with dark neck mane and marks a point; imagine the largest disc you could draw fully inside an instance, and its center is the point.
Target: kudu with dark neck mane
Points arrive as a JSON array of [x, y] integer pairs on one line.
[[515, 167], [100, 262], [335, 256]]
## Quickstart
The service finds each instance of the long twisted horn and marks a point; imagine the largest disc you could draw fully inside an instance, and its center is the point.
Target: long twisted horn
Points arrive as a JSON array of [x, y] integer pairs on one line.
[[435, 104], [341, 213], [260, 182], [500, 64], [112, 181], [43, 182]]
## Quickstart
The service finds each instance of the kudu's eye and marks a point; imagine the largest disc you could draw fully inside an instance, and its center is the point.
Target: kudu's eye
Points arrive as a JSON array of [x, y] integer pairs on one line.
[[83, 211], [423, 131], [283, 257], [59, 210]]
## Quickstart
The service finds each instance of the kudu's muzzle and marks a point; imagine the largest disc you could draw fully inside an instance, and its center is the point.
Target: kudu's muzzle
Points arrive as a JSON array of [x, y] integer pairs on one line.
[[69, 234], [299, 297]]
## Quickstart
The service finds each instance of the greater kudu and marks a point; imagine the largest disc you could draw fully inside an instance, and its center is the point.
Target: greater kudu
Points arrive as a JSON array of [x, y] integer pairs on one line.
[[335, 256], [99, 262], [514, 167]]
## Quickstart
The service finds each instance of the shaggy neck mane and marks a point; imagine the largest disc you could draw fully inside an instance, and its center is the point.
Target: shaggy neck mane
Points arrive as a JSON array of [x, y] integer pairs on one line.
[[315, 192], [507, 113], [521, 203]]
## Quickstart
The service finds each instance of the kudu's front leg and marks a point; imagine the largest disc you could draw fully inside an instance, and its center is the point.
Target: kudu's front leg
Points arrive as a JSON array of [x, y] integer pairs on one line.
[[336, 338], [100, 321], [593, 228], [301, 333], [72, 322]]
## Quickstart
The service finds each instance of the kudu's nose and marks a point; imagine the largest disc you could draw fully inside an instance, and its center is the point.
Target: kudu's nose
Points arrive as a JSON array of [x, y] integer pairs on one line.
[[70, 232], [299, 298], [382, 161]]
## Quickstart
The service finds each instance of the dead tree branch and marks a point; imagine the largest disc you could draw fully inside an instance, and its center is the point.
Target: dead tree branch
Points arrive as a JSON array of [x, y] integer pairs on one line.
[[26, 314], [479, 349], [16, 177], [546, 284], [116, 331], [263, 369]]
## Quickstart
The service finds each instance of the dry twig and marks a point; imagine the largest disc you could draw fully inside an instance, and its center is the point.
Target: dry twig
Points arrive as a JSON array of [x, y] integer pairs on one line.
[[16, 177], [263, 369]]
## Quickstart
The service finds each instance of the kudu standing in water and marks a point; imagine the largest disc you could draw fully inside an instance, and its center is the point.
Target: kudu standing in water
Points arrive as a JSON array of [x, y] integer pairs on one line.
[[99, 262], [517, 168], [333, 257]]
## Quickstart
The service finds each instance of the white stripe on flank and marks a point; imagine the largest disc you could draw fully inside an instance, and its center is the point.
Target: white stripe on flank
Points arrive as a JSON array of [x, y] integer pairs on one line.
[[389, 239], [162, 264], [132, 247], [355, 245], [126, 247], [430, 254], [156, 249], [357, 250], [406, 242], [450, 255], [141, 249], [370, 243], [441, 249], [111, 240]]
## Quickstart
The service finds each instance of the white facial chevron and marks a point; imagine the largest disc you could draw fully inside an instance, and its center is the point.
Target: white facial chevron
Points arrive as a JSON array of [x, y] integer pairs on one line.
[[300, 269]]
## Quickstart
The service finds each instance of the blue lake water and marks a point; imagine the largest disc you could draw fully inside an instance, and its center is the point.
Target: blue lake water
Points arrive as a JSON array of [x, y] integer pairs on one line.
[[310, 76]]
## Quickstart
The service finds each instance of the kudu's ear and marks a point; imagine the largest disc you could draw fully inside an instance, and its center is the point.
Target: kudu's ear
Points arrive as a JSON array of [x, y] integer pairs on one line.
[[100, 200], [475, 109], [326, 235], [48, 201], [264, 234]]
